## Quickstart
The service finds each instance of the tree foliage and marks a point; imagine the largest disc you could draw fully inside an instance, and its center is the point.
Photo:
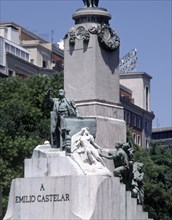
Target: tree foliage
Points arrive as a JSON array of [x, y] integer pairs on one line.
[[24, 123], [157, 180]]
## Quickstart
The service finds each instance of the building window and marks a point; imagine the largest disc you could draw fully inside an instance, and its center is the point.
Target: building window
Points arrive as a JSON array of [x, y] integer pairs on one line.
[[32, 61], [147, 98], [22, 55], [44, 64], [134, 138], [134, 120], [13, 50], [27, 56], [138, 122], [128, 118], [17, 52], [147, 144], [138, 140], [7, 47], [125, 116], [146, 126]]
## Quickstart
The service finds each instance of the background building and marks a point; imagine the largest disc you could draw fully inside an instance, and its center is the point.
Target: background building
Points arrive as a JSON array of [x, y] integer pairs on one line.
[[23, 53], [162, 135], [135, 98]]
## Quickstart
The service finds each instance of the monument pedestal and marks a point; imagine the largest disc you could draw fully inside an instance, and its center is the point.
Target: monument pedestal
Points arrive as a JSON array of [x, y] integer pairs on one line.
[[91, 72], [49, 193]]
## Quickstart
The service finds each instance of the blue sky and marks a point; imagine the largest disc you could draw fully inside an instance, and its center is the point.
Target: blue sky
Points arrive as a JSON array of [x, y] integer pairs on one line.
[[145, 25]]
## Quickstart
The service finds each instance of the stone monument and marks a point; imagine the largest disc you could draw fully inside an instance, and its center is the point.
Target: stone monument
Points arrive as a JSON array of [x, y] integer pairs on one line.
[[72, 179], [91, 68]]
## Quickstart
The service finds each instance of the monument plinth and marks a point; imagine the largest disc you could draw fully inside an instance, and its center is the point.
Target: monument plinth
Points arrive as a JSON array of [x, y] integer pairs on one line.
[[55, 188], [91, 72]]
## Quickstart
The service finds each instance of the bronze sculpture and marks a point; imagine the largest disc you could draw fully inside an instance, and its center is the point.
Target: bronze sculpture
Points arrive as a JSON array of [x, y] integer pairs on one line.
[[137, 182], [121, 162], [91, 3], [62, 108]]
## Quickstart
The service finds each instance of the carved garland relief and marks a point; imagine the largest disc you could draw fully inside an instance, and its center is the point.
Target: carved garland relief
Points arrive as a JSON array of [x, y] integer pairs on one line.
[[107, 38]]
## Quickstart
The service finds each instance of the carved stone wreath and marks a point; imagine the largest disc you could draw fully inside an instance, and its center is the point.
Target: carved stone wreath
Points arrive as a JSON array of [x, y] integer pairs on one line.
[[80, 34], [107, 37]]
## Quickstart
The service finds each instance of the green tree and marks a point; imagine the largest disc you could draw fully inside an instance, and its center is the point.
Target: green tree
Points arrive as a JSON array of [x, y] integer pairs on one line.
[[157, 180], [24, 123]]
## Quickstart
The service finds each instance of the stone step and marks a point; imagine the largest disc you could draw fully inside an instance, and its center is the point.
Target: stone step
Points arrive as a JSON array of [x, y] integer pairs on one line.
[[139, 208], [142, 215]]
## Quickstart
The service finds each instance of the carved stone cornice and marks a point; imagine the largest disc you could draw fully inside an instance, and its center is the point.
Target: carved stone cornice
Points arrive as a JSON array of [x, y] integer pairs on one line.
[[89, 15]]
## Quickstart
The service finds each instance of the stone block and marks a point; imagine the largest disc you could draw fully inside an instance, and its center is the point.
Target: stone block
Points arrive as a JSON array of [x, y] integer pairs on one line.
[[58, 164], [110, 131], [90, 72], [43, 167], [70, 198]]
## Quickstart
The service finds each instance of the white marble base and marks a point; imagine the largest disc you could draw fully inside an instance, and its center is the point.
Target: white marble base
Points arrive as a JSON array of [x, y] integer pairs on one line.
[[71, 197], [47, 161]]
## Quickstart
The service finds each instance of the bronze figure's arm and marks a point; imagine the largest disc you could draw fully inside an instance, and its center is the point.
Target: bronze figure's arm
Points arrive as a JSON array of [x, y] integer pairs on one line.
[[47, 98]]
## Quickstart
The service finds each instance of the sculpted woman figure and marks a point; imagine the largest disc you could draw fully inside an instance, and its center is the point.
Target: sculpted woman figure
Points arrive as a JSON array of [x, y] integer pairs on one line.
[[83, 142]]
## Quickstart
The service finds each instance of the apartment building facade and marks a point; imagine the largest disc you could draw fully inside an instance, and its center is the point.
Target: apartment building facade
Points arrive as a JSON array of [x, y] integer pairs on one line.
[[23, 53], [135, 99], [162, 135]]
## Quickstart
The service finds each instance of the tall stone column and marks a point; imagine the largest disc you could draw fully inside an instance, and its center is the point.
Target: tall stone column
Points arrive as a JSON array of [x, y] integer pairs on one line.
[[91, 73]]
